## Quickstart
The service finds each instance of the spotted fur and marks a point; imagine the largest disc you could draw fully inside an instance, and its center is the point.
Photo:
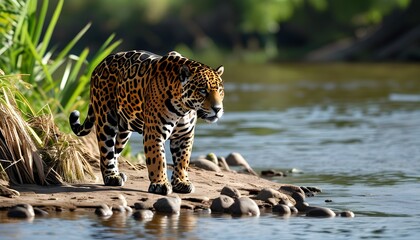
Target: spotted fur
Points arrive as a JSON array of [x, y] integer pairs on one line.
[[157, 96]]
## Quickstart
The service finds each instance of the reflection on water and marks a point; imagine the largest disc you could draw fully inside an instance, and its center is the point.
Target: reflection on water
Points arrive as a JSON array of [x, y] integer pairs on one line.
[[353, 131]]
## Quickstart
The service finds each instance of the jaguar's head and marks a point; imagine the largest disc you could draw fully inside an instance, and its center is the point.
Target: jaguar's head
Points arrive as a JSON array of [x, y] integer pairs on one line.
[[203, 91]]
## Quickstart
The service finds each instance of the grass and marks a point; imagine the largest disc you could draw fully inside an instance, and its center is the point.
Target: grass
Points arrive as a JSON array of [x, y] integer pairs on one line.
[[42, 87]]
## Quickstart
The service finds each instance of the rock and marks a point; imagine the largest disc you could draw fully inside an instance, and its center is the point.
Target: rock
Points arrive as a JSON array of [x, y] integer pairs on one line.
[[212, 158], [244, 206], [320, 212], [348, 214], [272, 201], [286, 202], [223, 164], [206, 165], [23, 211], [236, 159], [40, 213], [302, 206], [103, 211], [267, 193], [298, 197], [168, 205], [282, 209], [143, 214], [293, 210], [221, 204], [290, 189], [231, 192], [271, 173], [140, 206], [128, 209], [118, 208]]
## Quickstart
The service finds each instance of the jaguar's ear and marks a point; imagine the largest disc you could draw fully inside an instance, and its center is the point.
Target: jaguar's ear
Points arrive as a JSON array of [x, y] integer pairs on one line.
[[220, 70], [184, 73]]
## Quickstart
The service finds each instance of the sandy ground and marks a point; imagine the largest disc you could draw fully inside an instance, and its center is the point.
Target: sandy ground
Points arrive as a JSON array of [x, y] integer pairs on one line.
[[93, 193]]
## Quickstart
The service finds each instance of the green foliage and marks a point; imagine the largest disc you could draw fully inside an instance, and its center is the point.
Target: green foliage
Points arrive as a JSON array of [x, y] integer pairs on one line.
[[58, 78]]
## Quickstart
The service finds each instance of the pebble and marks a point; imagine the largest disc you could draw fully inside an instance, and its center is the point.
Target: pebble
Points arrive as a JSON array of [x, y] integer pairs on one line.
[[290, 189], [212, 158], [294, 210], [143, 214], [221, 204], [271, 173], [168, 205], [302, 206], [282, 209], [206, 165], [119, 208], [140, 206], [348, 214], [244, 206], [298, 197], [223, 164], [231, 192], [236, 159], [272, 201], [267, 193], [23, 211], [103, 211], [39, 212], [320, 212]]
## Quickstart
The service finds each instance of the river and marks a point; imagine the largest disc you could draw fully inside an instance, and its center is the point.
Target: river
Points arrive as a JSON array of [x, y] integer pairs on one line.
[[352, 130]]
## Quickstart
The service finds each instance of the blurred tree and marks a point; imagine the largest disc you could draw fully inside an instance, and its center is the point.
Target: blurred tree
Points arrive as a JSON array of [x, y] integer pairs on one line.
[[280, 29]]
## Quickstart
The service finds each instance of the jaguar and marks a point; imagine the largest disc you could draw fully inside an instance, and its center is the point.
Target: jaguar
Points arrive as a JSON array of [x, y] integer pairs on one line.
[[161, 98]]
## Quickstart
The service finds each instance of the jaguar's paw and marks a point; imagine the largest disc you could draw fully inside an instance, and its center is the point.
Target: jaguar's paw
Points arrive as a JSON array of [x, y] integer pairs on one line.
[[115, 180], [160, 188], [179, 186]]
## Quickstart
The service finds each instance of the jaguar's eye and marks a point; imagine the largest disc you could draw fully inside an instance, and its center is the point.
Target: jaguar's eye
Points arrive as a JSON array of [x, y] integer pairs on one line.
[[202, 91]]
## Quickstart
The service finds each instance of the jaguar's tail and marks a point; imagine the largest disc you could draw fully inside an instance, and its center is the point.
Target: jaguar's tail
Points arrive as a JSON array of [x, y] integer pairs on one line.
[[85, 128]]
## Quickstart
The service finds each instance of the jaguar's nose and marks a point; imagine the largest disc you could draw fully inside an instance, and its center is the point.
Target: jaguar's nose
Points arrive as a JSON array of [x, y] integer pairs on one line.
[[216, 109]]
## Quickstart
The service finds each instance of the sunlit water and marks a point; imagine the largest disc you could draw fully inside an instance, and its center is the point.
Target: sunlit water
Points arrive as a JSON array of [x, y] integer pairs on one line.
[[352, 130]]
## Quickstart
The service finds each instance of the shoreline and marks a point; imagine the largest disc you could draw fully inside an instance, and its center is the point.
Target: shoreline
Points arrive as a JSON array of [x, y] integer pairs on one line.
[[92, 193]]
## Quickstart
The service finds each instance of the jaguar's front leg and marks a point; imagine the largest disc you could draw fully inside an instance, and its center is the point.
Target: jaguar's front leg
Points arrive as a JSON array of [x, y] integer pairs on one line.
[[154, 149], [181, 147]]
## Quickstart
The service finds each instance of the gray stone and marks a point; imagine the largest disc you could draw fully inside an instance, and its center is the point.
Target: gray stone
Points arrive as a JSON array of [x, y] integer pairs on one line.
[[272, 201], [236, 159], [348, 214], [271, 173], [231, 192], [221, 204], [267, 193], [168, 205], [244, 206], [118, 208], [223, 164], [282, 209], [320, 212], [143, 214], [206, 165], [212, 158], [294, 210], [23, 211], [103, 211], [302, 206], [140, 206], [298, 197], [40, 213], [290, 189]]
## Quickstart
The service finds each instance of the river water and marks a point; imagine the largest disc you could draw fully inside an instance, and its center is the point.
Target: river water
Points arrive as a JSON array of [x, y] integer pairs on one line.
[[352, 130]]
